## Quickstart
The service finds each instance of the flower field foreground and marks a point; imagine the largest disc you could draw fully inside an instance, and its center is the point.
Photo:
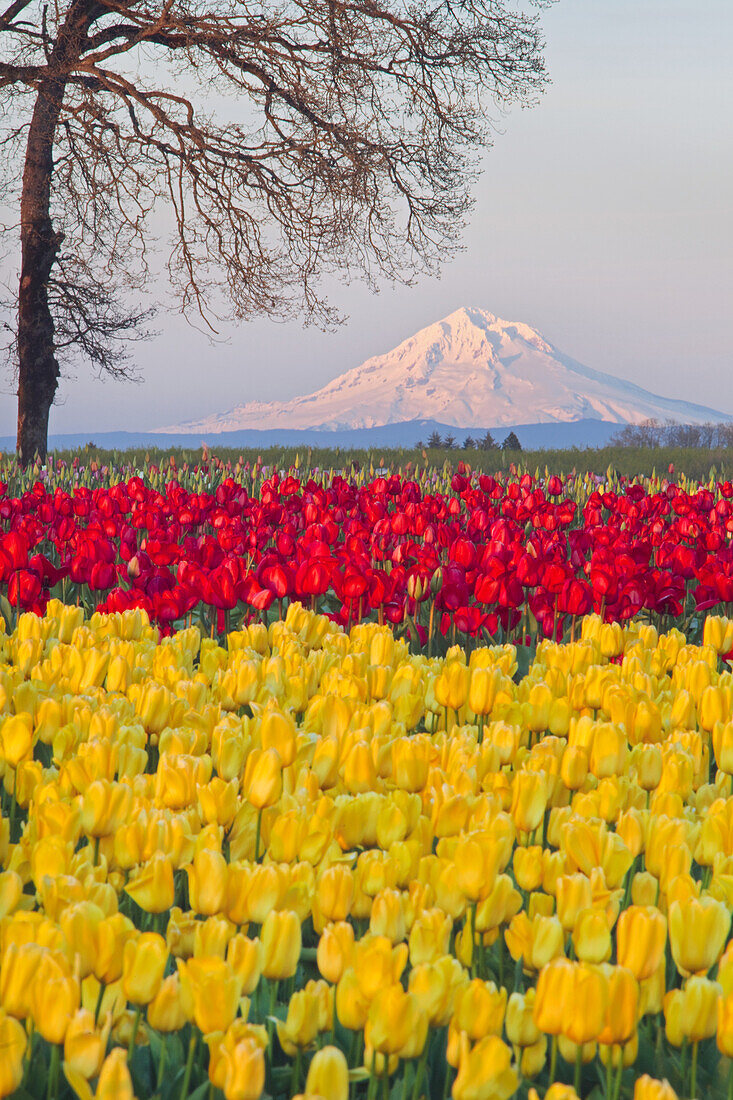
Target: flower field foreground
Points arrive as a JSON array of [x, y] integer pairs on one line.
[[439, 555], [310, 860]]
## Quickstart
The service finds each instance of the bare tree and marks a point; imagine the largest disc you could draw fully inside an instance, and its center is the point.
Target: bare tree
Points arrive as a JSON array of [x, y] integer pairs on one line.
[[286, 138]]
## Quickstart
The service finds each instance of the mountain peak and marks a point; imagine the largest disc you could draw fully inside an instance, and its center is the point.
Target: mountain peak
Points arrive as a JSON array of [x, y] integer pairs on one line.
[[472, 369]]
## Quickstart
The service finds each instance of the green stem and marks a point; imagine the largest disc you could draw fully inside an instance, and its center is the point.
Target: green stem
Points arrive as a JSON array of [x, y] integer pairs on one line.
[[730, 1082], [683, 1064], [95, 859], [405, 1080], [372, 1077], [257, 836], [162, 1062], [296, 1071], [135, 1026], [578, 1068], [28, 1060], [98, 1006], [553, 1059], [472, 929], [609, 1074], [420, 1072], [53, 1072], [693, 1071], [446, 1081], [189, 1066]]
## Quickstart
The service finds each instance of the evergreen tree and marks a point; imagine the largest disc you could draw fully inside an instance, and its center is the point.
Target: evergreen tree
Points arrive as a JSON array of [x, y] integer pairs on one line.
[[487, 443], [434, 440], [511, 443]]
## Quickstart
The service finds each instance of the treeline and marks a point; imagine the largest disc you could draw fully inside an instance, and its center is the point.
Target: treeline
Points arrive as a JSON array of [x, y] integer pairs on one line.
[[436, 442], [654, 433]]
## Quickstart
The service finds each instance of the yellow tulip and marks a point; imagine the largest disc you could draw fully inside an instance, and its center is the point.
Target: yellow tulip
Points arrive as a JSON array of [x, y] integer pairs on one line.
[[479, 1009], [301, 1025], [377, 964], [352, 1006], [573, 895], [281, 943], [485, 1070], [54, 998], [641, 936], [80, 925], [622, 1010], [143, 964], [335, 892], [436, 986], [649, 1088], [105, 807], [210, 992], [691, 1013], [85, 1045], [429, 936], [245, 956], [207, 882], [328, 1075], [16, 738], [13, 1042], [396, 1021], [527, 864], [335, 950], [263, 778], [698, 929], [589, 1006], [521, 1029], [554, 997], [167, 1012], [277, 731], [591, 936], [537, 941], [529, 800], [153, 888]]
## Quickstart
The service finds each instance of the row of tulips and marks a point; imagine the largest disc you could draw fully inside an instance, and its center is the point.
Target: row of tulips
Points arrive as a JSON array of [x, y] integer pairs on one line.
[[311, 860], [470, 557]]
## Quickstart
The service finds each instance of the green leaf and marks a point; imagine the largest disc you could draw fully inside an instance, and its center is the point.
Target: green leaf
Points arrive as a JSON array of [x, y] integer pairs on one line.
[[6, 610], [200, 1092]]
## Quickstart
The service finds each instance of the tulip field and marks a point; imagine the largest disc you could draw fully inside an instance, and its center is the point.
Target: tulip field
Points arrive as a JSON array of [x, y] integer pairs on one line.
[[365, 786]]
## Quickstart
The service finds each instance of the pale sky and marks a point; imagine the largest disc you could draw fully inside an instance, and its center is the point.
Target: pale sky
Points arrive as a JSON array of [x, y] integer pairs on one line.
[[603, 218]]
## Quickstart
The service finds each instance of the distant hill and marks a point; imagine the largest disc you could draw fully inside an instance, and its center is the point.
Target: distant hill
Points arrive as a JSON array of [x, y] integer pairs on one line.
[[578, 433]]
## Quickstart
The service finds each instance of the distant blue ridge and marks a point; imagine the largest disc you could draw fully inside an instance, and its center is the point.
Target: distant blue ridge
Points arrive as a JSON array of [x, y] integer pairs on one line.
[[553, 436]]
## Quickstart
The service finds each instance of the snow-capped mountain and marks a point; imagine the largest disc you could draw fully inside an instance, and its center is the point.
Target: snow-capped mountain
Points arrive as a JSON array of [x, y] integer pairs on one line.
[[470, 370]]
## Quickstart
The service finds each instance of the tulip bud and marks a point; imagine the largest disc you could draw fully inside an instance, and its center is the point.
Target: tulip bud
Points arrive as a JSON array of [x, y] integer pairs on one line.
[[328, 1075], [210, 992], [485, 1069], [143, 965], [263, 778], [698, 930], [641, 936], [153, 888], [691, 1013], [649, 1088], [281, 943], [54, 998], [13, 1042]]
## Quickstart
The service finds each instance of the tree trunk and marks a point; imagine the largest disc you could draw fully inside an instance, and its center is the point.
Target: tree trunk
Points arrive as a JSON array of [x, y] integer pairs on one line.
[[38, 370]]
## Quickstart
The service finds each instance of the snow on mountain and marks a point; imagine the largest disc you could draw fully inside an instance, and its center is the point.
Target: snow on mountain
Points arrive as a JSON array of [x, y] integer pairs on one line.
[[470, 370]]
